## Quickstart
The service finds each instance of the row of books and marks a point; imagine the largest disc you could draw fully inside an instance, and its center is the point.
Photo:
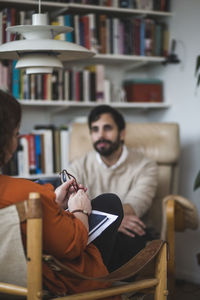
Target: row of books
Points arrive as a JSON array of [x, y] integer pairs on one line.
[[11, 17], [101, 33], [44, 151], [88, 84], [160, 5], [112, 35]]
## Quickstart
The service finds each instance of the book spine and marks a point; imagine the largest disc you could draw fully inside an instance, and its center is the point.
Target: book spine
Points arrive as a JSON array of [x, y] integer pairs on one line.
[[38, 153], [64, 148], [15, 81]]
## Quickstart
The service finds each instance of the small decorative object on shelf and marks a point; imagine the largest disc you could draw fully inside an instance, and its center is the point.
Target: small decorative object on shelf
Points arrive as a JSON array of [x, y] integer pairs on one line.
[[144, 90]]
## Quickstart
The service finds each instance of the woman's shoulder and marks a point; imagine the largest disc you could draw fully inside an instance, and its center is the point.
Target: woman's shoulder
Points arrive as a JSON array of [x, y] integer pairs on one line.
[[18, 189]]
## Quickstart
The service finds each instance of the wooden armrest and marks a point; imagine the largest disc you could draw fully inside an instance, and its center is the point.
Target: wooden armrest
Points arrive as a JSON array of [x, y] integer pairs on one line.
[[184, 211], [178, 214]]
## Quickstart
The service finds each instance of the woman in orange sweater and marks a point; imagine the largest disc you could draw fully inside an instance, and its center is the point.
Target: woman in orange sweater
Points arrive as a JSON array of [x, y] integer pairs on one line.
[[65, 234]]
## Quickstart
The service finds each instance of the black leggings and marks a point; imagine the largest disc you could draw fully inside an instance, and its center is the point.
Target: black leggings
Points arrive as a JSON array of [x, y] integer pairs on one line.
[[115, 247]]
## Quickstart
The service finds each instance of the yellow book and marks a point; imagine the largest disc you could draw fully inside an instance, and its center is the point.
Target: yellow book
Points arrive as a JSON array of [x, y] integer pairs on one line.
[[56, 23]]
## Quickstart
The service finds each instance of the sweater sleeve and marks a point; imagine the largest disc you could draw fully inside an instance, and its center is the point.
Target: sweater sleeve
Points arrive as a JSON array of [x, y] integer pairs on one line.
[[142, 188], [64, 235]]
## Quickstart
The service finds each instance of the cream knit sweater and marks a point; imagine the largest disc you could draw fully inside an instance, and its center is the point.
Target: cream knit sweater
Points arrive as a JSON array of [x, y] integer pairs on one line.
[[134, 180]]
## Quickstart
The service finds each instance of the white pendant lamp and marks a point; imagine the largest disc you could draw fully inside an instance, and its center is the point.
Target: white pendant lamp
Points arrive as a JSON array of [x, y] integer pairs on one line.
[[39, 52]]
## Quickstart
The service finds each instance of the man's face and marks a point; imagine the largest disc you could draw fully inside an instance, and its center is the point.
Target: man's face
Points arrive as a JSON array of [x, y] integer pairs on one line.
[[105, 135]]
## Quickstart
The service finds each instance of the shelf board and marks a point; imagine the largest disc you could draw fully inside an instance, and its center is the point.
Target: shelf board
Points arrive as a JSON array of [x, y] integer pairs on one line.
[[84, 8], [72, 7], [136, 61], [36, 176], [70, 104]]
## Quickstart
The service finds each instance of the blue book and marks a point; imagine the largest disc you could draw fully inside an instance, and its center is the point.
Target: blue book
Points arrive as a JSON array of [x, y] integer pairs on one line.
[[15, 81], [68, 22], [38, 154], [142, 38]]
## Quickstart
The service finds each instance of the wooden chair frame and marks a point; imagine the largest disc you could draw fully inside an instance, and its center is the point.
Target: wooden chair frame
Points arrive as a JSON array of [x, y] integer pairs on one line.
[[31, 211]]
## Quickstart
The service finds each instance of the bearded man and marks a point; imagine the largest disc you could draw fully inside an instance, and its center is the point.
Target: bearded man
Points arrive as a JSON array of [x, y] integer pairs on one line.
[[114, 168]]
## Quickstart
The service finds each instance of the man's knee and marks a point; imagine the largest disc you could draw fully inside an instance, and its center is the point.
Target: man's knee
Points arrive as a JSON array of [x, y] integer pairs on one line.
[[110, 203]]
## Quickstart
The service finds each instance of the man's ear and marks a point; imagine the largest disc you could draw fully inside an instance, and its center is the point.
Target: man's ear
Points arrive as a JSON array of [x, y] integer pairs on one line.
[[122, 134]]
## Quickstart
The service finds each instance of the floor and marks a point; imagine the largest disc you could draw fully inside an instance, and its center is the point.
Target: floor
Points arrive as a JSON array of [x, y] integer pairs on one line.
[[184, 291], [187, 291]]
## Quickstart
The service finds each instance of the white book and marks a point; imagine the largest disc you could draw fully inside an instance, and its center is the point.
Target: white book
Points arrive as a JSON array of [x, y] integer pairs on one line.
[[115, 36], [48, 148], [92, 32], [64, 148], [107, 91], [115, 3], [144, 4], [61, 22], [22, 158], [100, 83], [76, 29]]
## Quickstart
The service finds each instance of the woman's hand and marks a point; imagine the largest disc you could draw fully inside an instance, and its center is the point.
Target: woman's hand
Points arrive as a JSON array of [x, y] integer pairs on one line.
[[79, 200], [63, 192]]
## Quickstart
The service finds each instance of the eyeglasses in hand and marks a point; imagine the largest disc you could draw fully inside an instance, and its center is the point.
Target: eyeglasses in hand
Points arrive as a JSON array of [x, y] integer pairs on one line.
[[64, 175]]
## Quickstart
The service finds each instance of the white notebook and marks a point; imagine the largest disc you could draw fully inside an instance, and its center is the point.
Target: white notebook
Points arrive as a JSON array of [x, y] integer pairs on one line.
[[98, 222]]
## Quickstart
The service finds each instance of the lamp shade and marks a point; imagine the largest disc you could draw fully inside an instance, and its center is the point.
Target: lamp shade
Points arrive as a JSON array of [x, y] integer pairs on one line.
[[39, 52]]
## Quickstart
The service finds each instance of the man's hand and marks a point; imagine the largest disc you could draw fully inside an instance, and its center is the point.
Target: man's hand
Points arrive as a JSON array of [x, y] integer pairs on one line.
[[132, 224]]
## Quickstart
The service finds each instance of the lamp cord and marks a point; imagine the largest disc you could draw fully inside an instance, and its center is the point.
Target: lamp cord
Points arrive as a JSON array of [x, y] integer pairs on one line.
[[39, 7]]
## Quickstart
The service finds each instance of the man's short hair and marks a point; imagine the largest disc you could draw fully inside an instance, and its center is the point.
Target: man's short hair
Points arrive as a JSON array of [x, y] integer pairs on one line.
[[96, 112]]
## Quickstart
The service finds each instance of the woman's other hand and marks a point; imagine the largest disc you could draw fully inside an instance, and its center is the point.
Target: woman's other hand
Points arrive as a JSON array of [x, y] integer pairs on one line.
[[79, 200], [63, 192]]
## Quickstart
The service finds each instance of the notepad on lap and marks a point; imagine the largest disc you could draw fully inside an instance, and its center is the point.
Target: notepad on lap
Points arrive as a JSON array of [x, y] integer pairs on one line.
[[98, 222]]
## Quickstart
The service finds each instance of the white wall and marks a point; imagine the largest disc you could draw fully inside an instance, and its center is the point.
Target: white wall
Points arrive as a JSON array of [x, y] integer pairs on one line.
[[180, 90]]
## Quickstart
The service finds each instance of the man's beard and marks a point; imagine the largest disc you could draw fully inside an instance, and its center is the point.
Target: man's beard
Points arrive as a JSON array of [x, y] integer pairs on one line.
[[104, 151]]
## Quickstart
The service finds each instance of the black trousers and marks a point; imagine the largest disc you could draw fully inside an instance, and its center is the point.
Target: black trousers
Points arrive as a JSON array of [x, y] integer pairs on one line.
[[115, 247]]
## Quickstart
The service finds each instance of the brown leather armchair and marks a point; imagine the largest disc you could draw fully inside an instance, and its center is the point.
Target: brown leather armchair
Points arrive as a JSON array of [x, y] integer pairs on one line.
[[161, 142]]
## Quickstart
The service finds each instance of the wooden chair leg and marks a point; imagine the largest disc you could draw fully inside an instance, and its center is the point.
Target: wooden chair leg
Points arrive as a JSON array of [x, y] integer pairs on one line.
[[171, 243], [34, 248], [161, 274]]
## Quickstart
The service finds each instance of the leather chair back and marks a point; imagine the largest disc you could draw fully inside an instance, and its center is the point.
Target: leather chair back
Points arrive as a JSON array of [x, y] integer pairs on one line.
[[158, 141]]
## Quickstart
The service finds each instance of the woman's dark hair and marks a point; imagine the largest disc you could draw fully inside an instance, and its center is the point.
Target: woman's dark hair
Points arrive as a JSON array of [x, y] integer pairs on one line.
[[10, 117], [106, 109]]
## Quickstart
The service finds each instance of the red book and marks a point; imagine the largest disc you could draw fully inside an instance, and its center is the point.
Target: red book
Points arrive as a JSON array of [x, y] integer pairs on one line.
[[13, 21], [86, 32], [102, 33], [4, 18], [31, 152], [136, 36]]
